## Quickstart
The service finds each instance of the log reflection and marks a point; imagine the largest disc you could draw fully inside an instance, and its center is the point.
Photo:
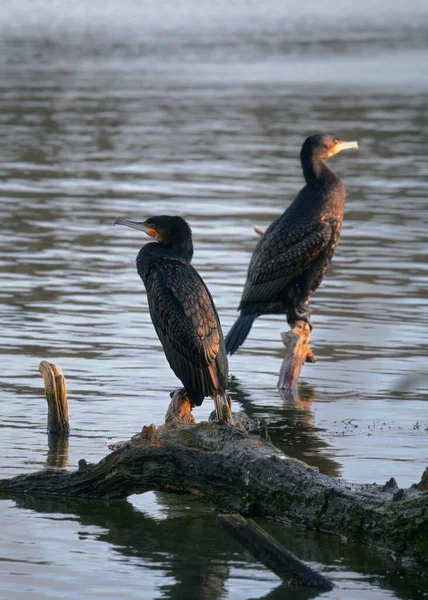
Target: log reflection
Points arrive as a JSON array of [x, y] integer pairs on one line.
[[57, 456], [191, 547], [192, 550], [291, 424]]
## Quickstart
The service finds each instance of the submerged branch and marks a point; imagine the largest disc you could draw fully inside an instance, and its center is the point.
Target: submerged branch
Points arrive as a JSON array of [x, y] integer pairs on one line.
[[272, 554]]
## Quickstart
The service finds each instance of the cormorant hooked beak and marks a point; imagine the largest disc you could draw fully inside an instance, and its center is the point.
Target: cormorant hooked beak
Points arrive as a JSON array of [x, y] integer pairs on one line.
[[146, 227], [342, 146]]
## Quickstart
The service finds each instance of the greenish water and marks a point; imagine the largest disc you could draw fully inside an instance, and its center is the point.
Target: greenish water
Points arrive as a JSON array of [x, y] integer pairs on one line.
[[200, 110]]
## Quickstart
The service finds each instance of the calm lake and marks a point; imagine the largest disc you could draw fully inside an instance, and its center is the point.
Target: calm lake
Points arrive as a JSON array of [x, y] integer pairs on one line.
[[135, 109]]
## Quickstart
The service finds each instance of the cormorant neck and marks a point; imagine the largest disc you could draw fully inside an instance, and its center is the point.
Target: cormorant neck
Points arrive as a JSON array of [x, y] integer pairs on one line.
[[315, 170], [152, 252], [183, 249]]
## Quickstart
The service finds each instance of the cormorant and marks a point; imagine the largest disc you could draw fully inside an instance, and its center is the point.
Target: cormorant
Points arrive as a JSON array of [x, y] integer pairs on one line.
[[290, 260], [182, 309]]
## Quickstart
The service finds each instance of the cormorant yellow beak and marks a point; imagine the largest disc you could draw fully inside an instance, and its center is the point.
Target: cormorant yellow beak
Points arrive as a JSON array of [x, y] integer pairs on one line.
[[150, 230], [343, 146]]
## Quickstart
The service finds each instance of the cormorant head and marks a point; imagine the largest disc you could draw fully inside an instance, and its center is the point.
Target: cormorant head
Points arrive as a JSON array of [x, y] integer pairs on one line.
[[322, 146], [170, 231], [167, 230]]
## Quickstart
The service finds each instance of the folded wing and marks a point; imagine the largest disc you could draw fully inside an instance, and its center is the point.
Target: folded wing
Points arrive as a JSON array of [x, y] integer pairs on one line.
[[281, 255], [188, 326]]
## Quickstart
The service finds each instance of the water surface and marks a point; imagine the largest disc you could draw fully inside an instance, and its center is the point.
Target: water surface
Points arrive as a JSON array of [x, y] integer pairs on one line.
[[201, 112]]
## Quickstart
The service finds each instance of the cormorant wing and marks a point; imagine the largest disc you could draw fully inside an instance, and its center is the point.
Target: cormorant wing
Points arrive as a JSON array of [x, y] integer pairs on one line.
[[282, 255], [186, 322]]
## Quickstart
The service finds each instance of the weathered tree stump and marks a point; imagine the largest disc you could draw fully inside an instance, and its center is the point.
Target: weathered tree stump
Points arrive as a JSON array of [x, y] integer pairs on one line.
[[58, 426], [298, 352], [56, 396]]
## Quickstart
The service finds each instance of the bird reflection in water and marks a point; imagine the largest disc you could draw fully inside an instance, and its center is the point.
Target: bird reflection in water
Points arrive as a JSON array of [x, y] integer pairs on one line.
[[290, 423]]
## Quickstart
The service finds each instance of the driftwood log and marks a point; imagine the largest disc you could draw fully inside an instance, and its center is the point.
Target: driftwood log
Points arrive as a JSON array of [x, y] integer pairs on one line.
[[240, 471], [253, 537]]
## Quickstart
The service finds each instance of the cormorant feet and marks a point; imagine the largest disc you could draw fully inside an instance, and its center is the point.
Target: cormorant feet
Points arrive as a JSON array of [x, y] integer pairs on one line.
[[300, 312], [180, 407]]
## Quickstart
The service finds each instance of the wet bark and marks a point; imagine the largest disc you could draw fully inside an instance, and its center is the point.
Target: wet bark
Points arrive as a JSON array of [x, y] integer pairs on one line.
[[298, 352], [56, 397], [241, 472]]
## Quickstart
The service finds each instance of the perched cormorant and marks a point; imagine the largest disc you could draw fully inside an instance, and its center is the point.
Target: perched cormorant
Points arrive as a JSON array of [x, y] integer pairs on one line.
[[182, 309], [290, 260]]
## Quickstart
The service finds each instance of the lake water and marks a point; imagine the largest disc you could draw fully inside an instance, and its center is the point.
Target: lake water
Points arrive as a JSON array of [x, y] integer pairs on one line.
[[199, 109]]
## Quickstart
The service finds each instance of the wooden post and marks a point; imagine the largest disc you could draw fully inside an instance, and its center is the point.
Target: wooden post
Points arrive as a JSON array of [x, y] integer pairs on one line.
[[272, 554], [56, 396], [298, 352]]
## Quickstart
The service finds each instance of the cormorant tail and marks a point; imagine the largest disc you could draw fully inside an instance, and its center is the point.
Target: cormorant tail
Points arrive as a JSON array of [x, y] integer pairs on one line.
[[223, 406], [239, 332]]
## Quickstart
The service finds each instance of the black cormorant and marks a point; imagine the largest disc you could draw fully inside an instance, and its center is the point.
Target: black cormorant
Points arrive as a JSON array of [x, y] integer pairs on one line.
[[290, 260], [182, 309]]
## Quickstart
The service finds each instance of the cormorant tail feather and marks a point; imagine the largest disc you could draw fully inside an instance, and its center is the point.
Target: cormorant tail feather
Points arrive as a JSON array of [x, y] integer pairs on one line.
[[239, 332]]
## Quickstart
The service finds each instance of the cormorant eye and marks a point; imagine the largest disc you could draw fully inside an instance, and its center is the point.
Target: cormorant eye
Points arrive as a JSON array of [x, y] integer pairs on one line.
[[150, 225]]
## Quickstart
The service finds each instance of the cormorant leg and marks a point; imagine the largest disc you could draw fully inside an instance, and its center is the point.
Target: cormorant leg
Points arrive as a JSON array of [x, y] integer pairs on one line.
[[223, 405], [300, 312], [180, 407]]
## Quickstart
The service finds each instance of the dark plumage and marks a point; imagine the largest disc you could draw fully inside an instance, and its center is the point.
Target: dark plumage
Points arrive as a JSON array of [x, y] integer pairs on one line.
[[290, 260], [182, 309]]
